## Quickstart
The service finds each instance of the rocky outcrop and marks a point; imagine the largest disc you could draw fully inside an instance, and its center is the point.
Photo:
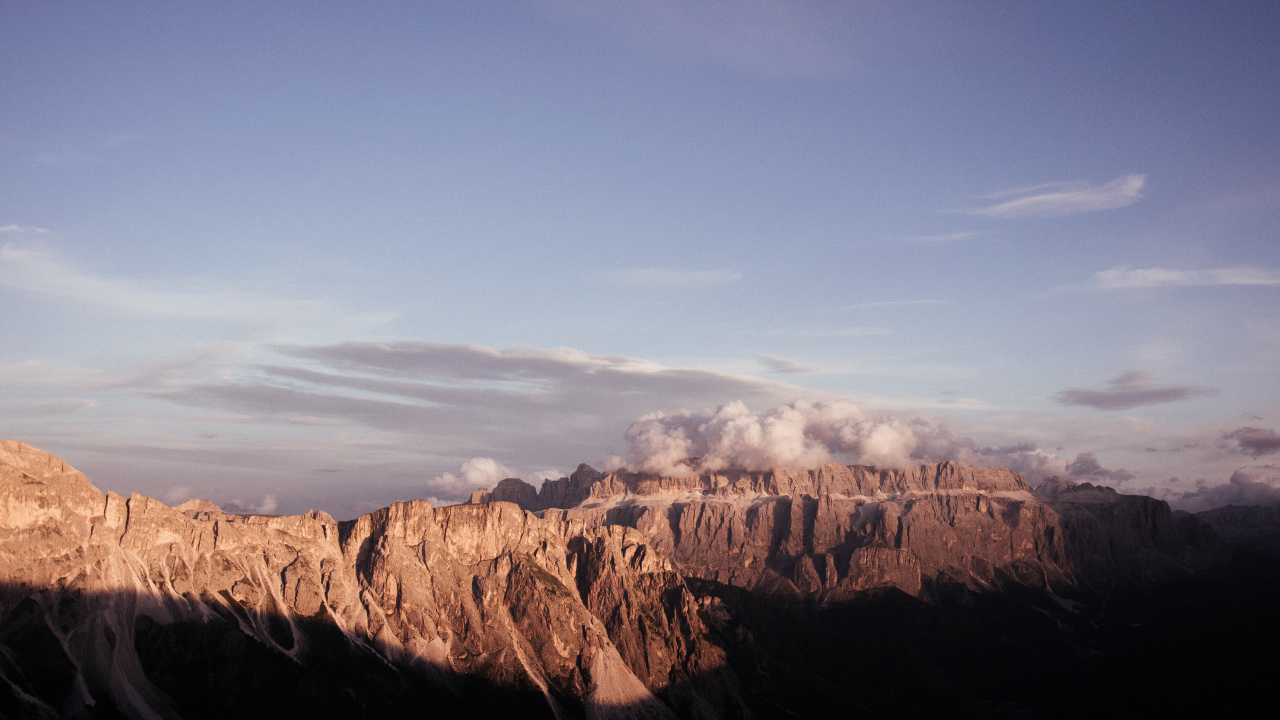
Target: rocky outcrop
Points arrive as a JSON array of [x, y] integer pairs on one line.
[[1110, 538], [838, 530], [469, 609]]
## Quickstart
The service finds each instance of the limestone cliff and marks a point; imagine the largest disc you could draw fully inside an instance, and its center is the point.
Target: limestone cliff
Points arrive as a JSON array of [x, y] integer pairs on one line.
[[839, 530], [118, 606]]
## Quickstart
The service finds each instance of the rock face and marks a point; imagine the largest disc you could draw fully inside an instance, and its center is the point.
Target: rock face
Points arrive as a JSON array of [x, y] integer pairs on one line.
[[120, 606], [573, 601], [836, 531], [1255, 528]]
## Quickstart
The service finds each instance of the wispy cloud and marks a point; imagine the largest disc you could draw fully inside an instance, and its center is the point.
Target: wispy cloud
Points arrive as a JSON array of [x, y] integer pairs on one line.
[[66, 155], [1126, 279], [538, 407], [22, 230], [941, 239], [36, 270], [1066, 198], [671, 277], [783, 366], [1130, 390]]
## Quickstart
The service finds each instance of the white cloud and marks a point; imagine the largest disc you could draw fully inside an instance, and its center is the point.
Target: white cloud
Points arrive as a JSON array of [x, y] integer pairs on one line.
[[474, 473], [805, 434], [38, 271], [1126, 279], [1066, 198], [21, 230], [670, 277]]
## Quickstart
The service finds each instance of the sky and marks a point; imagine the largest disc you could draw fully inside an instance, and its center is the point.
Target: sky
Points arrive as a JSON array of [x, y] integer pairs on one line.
[[287, 255]]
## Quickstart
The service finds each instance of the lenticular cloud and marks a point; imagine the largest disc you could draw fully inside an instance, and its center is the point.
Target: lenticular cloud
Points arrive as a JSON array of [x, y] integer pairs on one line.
[[797, 435]]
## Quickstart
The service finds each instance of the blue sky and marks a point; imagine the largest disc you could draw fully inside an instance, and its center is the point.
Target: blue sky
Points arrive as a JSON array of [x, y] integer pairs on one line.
[[318, 254]]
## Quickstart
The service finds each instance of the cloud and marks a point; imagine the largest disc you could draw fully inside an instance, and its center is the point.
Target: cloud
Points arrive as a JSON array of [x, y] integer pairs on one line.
[[937, 443], [783, 366], [178, 494], [21, 230], [1130, 390], [1126, 279], [1086, 465], [37, 271], [1066, 198], [1254, 441], [474, 473], [671, 277], [805, 434], [549, 407], [1245, 487], [266, 506]]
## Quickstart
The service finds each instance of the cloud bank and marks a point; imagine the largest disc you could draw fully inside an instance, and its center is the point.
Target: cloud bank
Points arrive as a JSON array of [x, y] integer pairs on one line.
[[1130, 390], [805, 434], [1070, 198], [1247, 486]]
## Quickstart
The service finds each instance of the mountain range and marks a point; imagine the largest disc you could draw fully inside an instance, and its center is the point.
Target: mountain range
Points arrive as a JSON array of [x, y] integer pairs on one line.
[[837, 591]]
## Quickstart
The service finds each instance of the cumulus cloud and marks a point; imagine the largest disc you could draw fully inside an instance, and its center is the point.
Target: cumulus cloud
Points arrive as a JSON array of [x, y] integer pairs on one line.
[[935, 444], [1246, 486], [782, 366], [1067, 198], [474, 473], [805, 434], [797, 435], [671, 277], [1156, 277], [1253, 441], [1087, 467], [1130, 390]]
